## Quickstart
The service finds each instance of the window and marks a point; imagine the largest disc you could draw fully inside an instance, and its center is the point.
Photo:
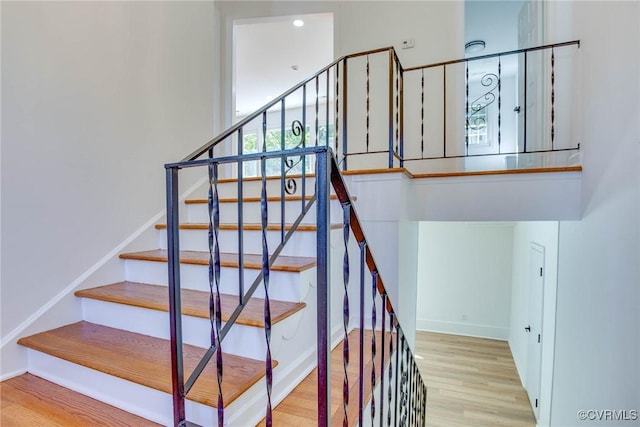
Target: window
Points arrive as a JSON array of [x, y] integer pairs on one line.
[[252, 143], [477, 125]]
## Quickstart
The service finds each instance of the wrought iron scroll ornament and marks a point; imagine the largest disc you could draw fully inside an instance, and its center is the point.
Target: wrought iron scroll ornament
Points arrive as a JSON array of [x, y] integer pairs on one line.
[[475, 118], [297, 129]]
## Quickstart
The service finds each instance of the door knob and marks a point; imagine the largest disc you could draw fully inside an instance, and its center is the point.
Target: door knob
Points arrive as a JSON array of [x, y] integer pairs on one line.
[[528, 328]]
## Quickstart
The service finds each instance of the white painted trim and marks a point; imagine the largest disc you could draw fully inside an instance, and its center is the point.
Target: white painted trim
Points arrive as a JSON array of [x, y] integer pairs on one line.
[[84, 276], [13, 374], [467, 329], [517, 363]]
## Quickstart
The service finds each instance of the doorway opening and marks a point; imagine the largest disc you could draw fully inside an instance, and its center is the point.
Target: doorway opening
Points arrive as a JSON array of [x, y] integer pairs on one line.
[[494, 280]]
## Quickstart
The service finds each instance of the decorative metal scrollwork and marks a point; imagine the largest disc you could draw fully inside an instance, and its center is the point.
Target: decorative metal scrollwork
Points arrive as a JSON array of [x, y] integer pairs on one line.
[[476, 110], [297, 129]]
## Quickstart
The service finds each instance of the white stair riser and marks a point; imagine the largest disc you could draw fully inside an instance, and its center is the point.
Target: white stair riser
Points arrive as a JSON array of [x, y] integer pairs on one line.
[[131, 397], [283, 285], [251, 214], [242, 340], [301, 243]]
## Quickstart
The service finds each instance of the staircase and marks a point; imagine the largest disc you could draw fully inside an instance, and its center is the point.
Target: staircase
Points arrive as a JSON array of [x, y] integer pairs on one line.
[[120, 352]]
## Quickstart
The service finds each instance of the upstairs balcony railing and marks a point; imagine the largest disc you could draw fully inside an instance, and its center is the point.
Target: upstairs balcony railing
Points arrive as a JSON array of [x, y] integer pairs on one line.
[[504, 110]]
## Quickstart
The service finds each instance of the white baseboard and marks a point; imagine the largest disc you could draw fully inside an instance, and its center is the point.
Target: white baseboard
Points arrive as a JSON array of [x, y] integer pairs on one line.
[[13, 374], [516, 362], [467, 329]]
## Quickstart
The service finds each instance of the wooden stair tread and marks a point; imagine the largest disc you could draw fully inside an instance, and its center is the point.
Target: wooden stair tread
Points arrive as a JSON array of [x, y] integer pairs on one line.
[[194, 303], [246, 227], [251, 261], [256, 199], [300, 406], [31, 400], [144, 360]]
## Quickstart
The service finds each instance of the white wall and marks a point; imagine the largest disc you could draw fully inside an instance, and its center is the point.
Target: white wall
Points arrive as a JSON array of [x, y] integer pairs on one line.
[[464, 278], [96, 97], [544, 234], [393, 239], [357, 28], [597, 362]]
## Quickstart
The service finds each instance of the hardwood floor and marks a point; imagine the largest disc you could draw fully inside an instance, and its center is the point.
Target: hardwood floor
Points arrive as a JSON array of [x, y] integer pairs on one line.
[[472, 382], [31, 401]]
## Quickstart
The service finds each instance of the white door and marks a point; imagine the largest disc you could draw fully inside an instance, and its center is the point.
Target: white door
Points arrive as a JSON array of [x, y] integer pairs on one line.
[[534, 328]]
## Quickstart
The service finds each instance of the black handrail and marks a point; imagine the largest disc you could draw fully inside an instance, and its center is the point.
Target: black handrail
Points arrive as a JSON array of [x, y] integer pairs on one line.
[[495, 55]]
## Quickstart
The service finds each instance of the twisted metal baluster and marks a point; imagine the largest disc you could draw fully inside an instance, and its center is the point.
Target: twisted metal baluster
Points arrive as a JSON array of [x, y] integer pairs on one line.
[[499, 102], [424, 405], [318, 111], [346, 224], [403, 384], [466, 115], [397, 376], [265, 281], [553, 97], [383, 323], [215, 307], [414, 392], [422, 115], [368, 103], [240, 221], [397, 133], [409, 388], [363, 249], [374, 284], [390, 387], [284, 162], [336, 138]]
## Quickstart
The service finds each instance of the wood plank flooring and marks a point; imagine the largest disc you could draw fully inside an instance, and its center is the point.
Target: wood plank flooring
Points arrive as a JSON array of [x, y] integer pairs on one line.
[[28, 400], [472, 382]]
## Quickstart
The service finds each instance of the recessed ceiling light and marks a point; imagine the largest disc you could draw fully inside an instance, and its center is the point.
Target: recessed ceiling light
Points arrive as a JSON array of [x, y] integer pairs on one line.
[[298, 23], [474, 46]]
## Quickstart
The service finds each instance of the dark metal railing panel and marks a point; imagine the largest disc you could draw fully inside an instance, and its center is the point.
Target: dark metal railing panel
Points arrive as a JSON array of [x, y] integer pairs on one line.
[[346, 232], [215, 306], [374, 294], [383, 362], [264, 216]]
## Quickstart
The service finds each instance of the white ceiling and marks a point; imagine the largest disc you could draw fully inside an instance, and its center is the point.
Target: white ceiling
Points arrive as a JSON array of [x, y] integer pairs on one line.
[[266, 50]]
